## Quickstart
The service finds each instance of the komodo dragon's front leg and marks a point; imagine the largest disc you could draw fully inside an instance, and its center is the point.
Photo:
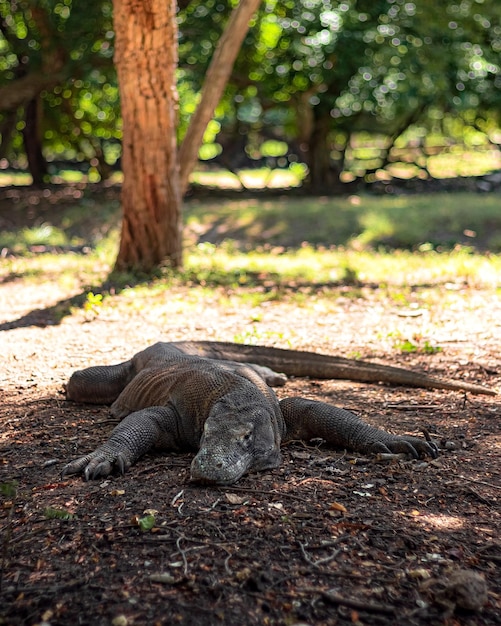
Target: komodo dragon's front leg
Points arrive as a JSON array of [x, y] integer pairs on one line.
[[307, 419], [134, 436]]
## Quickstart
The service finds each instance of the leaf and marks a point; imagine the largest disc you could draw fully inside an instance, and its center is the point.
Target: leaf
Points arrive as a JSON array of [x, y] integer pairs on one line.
[[164, 577], [337, 506], [8, 489], [420, 572], [52, 513], [233, 498], [146, 523]]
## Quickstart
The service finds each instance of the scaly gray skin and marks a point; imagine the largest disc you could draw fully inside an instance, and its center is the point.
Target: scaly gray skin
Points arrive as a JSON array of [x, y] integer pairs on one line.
[[300, 363], [225, 410]]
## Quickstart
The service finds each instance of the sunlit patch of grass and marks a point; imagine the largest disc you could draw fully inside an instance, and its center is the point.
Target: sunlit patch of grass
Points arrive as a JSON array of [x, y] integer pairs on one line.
[[68, 270], [269, 274], [326, 267], [42, 235], [437, 220], [261, 255], [259, 178]]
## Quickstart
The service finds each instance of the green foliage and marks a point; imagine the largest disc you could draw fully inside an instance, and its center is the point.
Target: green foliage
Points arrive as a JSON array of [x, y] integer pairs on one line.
[[146, 523], [416, 345], [311, 76], [93, 303], [80, 108], [9, 489], [320, 72], [257, 336], [53, 513]]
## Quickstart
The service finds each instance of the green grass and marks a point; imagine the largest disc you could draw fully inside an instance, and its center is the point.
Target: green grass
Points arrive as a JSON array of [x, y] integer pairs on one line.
[[267, 273], [308, 265], [390, 243], [435, 220]]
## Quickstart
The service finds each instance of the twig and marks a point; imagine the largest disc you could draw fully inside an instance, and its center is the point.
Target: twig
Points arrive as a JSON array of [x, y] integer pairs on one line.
[[262, 492], [227, 568], [480, 482], [412, 407], [182, 553], [325, 560], [47, 588], [373, 607], [384, 457]]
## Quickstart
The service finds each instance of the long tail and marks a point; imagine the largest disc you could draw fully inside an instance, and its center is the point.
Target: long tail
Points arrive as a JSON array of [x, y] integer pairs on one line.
[[301, 363]]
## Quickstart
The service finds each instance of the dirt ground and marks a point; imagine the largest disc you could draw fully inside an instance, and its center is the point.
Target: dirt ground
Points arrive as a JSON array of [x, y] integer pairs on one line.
[[327, 538]]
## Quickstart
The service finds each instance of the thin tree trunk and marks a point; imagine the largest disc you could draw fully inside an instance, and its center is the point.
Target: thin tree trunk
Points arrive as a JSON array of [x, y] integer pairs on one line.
[[146, 60], [215, 81], [323, 178], [32, 143]]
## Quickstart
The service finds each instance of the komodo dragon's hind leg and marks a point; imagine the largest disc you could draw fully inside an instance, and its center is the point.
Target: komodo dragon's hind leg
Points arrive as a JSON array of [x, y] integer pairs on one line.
[[307, 419], [101, 384]]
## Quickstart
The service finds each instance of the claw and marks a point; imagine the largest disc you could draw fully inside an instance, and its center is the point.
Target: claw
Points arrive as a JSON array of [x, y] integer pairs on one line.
[[414, 447], [122, 464], [101, 470], [75, 467], [98, 464], [426, 448]]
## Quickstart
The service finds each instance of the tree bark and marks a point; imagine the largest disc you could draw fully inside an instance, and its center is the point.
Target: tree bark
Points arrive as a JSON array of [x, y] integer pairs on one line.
[[214, 83], [323, 177], [32, 142], [146, 60]]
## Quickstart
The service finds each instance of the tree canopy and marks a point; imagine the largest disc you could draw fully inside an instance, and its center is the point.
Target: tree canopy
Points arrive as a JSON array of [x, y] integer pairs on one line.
[[310, 75]]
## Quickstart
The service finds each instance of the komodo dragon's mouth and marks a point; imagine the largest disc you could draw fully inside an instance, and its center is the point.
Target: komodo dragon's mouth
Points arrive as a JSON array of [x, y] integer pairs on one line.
[[205, 470]]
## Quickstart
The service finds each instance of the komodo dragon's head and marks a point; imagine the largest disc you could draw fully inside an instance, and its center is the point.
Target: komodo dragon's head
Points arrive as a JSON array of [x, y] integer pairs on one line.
[[236, 441]]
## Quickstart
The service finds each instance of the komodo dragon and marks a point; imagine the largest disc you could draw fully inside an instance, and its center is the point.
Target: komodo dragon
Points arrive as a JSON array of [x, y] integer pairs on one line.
[[205, 396]]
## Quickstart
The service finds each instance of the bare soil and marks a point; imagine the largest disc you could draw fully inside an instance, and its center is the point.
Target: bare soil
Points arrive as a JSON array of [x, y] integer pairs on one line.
[[328, 538]]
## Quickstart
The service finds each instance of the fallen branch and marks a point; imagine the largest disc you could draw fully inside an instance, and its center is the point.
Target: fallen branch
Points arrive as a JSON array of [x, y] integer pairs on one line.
[[360, 605], [480, 482]]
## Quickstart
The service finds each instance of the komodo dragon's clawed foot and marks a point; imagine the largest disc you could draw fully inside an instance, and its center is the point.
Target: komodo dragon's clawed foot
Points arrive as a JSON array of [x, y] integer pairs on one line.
[[412, 446], [97, 464]]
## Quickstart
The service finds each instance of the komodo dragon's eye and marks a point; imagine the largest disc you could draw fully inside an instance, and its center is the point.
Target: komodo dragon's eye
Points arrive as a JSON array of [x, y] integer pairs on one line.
[[246, 433]]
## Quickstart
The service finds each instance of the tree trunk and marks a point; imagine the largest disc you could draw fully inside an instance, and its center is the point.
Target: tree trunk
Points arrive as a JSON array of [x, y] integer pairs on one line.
[[146, 61], [32, 142], [214, 83], [323, 176]]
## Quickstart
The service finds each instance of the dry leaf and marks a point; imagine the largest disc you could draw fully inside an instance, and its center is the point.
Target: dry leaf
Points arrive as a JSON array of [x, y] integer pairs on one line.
[[420, 572], [164, 577], [233, 498], [336, 506]]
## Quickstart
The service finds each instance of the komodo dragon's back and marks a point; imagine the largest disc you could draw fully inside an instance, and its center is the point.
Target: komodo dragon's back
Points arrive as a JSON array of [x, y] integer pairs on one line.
[[324, 366], [215, 397]]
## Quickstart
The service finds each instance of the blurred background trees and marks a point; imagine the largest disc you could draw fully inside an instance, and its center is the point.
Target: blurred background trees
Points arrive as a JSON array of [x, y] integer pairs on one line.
[[334, 90]]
